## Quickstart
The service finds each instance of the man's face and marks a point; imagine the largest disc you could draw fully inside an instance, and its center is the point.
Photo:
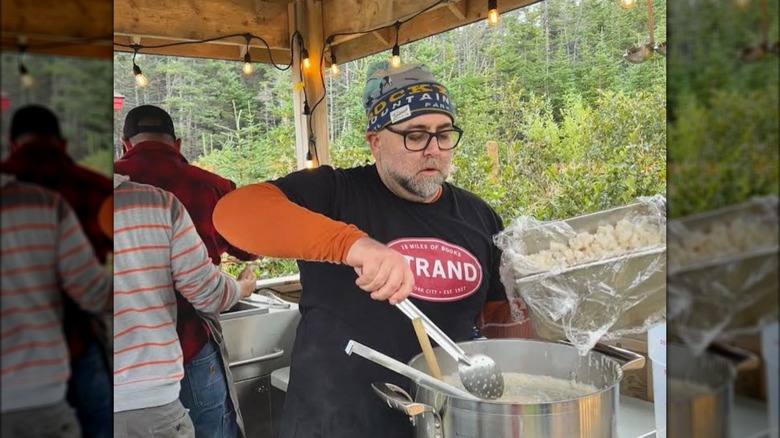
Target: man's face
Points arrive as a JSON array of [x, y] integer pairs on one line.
[[416, 176]]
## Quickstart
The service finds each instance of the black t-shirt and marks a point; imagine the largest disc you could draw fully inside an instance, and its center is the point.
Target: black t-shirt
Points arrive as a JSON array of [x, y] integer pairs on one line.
[[450, 250]]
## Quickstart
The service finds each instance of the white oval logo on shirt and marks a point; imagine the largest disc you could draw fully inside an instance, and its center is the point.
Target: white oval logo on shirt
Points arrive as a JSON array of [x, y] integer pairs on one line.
[[442, 271]]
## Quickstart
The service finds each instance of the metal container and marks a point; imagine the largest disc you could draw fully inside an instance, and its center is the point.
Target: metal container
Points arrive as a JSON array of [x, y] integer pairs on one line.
[[700, 389], [435, 414], [629, 286]]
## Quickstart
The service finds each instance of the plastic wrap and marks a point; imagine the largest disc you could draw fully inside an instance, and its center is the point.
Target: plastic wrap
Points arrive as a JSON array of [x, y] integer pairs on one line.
[[723, 272], [591, 277]]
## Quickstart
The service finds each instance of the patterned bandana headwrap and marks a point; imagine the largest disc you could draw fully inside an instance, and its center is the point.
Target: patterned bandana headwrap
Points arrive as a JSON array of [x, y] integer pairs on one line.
[[393, 95]]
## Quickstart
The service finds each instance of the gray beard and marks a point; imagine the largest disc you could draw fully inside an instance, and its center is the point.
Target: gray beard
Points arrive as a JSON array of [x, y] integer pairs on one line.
[[422, 187]]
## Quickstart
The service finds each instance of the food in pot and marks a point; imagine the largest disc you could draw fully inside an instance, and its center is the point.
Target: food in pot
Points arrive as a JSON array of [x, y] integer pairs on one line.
[[521, 388], [724, 238], [608, 241], [680, 389]]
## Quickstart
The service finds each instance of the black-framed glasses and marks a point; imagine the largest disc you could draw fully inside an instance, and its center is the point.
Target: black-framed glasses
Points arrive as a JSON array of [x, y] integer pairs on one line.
[[416, 140]]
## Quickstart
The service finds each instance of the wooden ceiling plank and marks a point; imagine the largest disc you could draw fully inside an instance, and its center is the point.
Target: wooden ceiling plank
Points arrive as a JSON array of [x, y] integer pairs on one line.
[[427, 24], [202, 19], [458, 9], [350, 16], [73, 19], [384, 36]]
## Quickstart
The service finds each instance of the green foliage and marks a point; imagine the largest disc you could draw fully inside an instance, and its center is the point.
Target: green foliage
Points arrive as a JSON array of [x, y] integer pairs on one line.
[[101, 161], [723, 124], [725, 150]]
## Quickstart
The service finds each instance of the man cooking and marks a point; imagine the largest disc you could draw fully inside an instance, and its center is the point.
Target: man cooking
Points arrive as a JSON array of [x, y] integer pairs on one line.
[[365, 235]]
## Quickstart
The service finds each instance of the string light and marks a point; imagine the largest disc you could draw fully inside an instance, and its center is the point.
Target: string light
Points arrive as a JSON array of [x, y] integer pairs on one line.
[[492, 17], [628, 4], [24, 75], [309, 160], [395, 59], [305, 62], [247, 68], [334, 66], [140, 79]]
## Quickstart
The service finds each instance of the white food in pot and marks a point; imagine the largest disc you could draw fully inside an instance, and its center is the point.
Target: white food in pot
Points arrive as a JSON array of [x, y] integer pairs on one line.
[[681, 390], [608, 241], [521, 388]]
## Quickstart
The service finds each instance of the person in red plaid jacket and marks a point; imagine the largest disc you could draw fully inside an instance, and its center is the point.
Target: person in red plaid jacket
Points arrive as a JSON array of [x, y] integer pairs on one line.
[[39, 155], [153, 156]]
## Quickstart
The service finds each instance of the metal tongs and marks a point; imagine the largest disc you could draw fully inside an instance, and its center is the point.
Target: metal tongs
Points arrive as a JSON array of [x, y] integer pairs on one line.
[[479, 373]]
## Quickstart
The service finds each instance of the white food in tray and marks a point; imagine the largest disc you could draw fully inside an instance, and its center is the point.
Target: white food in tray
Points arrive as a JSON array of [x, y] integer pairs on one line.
[[724, 238], [608, 241]]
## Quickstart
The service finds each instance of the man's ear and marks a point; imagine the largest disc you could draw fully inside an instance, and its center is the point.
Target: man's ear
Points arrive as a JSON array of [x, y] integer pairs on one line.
[[373, 141], [126, 145]]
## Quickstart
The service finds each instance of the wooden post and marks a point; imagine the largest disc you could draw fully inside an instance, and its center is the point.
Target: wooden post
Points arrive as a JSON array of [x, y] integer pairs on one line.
[[315, 89], [306, 17], [301, 130], [492, 152]]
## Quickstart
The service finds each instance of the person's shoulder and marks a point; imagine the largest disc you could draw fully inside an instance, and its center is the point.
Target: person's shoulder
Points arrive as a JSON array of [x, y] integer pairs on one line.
[[207, 177], [129, 187], [467, 196], [472, 200], [91, 178], [31, 191]]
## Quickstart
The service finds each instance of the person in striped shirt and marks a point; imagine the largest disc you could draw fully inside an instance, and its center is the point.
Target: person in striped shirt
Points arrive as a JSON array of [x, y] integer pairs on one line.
[[158, 254], [44, 253], [39, 155]]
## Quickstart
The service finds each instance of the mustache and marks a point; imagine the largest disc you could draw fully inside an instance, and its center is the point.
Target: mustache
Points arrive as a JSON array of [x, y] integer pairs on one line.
[[431, 164]]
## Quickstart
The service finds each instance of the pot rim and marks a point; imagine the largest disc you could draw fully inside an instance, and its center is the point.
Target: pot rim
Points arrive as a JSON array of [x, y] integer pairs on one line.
[[468, 404]]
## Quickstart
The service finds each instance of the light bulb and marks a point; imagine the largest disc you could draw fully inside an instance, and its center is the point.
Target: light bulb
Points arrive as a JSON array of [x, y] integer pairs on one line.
[[334, 69], [140, 80], [395, 59], [247, 68], [492, 18], [305, 59], [309, 160], [27, 80], [627, 4]]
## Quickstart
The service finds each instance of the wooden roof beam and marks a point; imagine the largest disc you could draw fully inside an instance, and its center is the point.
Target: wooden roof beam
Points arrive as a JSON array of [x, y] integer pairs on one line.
[[440, 19], [459, 9], [53, 27], [174, 19]]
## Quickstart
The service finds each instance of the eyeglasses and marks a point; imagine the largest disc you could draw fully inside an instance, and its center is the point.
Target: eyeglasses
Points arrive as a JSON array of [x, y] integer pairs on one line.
[[417, 140]]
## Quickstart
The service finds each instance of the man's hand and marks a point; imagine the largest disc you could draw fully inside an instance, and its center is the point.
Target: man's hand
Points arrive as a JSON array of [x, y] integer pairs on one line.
[[247, 282], [383, 272]]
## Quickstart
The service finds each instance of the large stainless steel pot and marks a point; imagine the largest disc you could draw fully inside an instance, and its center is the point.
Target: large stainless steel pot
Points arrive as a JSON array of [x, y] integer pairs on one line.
[[700, 389], [435, 414]]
